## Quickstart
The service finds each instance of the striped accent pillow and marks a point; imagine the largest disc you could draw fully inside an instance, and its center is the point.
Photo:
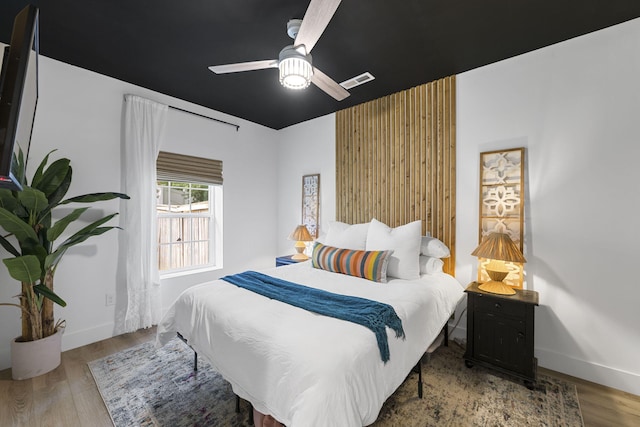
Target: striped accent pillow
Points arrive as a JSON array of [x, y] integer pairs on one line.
[[371, 265]]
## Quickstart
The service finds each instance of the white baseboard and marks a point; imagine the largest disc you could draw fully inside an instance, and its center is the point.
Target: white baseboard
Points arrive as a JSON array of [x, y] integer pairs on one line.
[[77, 339], [600, 374]]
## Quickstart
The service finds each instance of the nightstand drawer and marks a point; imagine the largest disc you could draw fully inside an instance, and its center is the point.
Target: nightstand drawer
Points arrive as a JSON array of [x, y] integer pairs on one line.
[[499, 306]]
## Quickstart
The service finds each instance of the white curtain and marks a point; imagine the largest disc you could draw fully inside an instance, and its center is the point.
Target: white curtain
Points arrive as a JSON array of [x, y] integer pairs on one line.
[[144, 123]]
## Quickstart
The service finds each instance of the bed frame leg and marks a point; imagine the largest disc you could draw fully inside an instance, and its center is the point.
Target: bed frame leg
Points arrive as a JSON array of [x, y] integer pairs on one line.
[[195, 353], [418, 369], [195, 369], [446, 334]]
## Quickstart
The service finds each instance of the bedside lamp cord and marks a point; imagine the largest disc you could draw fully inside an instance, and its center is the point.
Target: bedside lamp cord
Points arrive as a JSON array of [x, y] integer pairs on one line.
[[456, 325]]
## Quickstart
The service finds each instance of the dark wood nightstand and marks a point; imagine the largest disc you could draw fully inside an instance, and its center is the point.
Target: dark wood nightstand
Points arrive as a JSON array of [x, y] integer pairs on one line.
[[500, 332], [286, 260]]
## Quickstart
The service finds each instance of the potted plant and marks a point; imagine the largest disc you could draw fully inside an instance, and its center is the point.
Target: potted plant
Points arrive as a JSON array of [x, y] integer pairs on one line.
[[31, 240]]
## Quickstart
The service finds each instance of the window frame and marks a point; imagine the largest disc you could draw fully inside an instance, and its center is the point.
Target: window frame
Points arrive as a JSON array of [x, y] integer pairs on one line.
[[214, 217]]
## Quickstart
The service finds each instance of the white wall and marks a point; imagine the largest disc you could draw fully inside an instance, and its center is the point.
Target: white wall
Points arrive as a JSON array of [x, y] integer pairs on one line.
[[575, 106], [80, 113], [305, 148]]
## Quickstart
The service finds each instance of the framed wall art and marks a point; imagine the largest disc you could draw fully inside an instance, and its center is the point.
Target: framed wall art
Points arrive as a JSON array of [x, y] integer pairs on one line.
[[502, 204], [311, 203]]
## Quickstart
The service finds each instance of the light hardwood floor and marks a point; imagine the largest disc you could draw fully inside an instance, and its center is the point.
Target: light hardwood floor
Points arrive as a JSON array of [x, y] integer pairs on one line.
[[68, 396]]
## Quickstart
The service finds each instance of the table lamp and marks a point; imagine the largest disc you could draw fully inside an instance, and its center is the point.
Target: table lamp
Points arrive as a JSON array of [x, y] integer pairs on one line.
[[300, 235], [498, 248]]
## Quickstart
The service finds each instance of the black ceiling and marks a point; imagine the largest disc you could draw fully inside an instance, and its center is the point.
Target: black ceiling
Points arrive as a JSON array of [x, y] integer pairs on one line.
[[166, 45]]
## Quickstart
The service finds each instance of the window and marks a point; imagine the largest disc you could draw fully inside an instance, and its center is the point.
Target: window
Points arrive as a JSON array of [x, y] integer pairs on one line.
[[189, 213]]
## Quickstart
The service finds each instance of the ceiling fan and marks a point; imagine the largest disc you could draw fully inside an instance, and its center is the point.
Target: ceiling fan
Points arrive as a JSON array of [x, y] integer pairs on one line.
[[294, 61]]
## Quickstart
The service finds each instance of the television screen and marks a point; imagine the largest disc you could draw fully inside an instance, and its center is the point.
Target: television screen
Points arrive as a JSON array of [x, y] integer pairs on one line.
[[18, 95]]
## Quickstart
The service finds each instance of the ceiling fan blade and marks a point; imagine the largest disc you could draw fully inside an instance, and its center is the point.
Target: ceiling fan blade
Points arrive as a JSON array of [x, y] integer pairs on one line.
[[328, 85], [315, 20], [244, 66]]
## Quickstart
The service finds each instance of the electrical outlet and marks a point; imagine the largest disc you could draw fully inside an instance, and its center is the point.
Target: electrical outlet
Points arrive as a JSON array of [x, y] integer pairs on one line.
[[110, 299]]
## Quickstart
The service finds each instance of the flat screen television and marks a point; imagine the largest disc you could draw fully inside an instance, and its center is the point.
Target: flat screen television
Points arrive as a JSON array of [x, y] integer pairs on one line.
[[18, 95]]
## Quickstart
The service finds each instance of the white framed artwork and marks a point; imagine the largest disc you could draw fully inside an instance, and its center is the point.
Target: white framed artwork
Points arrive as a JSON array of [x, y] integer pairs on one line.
[[311, 203]]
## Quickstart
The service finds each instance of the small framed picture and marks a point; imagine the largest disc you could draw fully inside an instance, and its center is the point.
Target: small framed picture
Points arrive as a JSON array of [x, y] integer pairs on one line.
[[311, 203]]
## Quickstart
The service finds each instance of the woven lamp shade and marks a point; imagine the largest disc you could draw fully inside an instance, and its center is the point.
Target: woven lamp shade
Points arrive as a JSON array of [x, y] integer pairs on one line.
[[499, 246], [300, 235]]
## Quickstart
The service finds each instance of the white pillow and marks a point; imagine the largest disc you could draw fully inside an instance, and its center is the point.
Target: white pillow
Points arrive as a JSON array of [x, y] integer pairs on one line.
[[405, 243], [345, 236], [430, 265], [430, 246]]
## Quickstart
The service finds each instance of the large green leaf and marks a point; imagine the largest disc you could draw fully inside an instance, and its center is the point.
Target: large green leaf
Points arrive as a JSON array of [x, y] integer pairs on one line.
[[48, 293], [9, 247], [19, 167], [33, 200], [53, 258], [24, 268], [79, 237], [56, 230], [37, 177], [16, 226], [94, 225], [95, 232], [53, 176], [8, 200], [21, 212], [61, 191], [95, 197], [45, 219], [39, 251], [54, 199]]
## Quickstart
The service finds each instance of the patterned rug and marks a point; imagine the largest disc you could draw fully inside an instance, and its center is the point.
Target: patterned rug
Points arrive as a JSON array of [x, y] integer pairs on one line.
[[142, 386]]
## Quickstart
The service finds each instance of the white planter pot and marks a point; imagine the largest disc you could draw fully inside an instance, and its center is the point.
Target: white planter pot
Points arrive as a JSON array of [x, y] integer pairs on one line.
[[32, 358]]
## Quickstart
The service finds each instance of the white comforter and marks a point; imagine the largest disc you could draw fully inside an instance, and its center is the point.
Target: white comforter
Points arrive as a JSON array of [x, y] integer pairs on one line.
[[303, 368]]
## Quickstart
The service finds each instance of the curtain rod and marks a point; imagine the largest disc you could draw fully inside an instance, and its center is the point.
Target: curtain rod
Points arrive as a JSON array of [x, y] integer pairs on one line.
[[206, 117]]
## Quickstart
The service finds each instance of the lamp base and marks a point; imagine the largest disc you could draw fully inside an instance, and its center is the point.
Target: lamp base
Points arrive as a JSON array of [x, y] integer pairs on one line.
[[300, 255], [497, 288]]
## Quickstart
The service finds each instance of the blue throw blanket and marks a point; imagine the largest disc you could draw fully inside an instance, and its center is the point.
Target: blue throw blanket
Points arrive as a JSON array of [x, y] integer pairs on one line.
[[371, 314]]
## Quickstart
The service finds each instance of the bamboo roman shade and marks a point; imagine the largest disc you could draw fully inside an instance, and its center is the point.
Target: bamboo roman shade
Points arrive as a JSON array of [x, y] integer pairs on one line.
[[180, 167]]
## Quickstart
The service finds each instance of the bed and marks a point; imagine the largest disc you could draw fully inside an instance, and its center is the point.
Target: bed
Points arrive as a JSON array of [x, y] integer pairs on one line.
[[395, 161], [306, 369]]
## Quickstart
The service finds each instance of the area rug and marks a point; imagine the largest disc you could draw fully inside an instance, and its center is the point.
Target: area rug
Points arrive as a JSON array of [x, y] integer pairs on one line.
[[142, 386]]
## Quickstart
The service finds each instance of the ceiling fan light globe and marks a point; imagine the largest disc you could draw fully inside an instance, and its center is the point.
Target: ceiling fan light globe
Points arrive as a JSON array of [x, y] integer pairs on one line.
[[295, 72], [294, 82], [294, 68]]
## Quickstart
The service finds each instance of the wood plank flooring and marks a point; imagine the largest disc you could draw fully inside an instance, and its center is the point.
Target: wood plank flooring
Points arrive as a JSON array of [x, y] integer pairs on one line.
[[68, 396]]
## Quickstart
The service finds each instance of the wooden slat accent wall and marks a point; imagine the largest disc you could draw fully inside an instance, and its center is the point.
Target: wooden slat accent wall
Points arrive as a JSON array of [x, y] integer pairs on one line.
[[396, 161]]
